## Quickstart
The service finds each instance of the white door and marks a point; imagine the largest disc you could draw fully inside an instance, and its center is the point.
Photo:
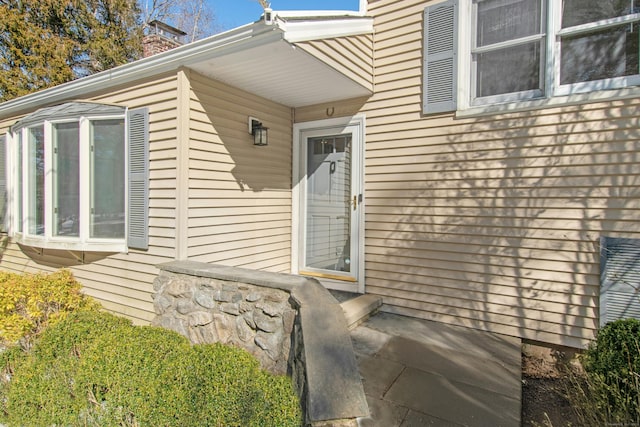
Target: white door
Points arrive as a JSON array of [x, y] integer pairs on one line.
[[330, 204]]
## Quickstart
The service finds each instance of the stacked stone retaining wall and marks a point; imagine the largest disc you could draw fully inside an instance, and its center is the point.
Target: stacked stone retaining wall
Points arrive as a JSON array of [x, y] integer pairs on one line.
[[291, 324], [207, 310]]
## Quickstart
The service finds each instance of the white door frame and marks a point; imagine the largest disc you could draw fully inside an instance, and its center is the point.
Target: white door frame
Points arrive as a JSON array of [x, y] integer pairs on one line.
[[299, 180]]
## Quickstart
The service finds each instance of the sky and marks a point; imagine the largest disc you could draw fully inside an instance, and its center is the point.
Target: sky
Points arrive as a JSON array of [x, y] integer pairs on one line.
[[233, 13]]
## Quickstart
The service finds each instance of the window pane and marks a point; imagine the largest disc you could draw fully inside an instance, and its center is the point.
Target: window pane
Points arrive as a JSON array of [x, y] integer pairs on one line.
[[35, 216], [107, 179], [577, 12], [328, 204], [503, 20], [20, 180], [510, 70], [606, 54], [66, 177]]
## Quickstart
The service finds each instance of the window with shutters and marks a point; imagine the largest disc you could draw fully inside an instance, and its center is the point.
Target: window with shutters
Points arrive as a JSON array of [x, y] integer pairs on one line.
[[68, 169], [440, 59], [530, 53]]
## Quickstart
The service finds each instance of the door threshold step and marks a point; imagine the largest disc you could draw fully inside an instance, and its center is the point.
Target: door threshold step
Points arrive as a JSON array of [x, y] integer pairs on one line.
[[359, 309]]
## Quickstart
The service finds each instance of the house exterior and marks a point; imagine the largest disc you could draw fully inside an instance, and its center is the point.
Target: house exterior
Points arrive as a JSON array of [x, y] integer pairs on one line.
[[466, 160]]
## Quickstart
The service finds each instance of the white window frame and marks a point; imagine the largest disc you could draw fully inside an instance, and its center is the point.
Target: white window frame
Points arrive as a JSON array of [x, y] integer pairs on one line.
[[49, 241], [583, 87], [554, 93], [514, 96]]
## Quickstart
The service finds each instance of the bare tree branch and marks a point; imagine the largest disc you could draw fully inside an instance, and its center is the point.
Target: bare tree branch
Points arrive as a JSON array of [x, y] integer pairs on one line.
[[192, 16]]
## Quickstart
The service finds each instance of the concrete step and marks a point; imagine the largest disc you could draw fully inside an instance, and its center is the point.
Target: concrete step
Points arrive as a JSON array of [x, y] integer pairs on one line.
[[359, 309]]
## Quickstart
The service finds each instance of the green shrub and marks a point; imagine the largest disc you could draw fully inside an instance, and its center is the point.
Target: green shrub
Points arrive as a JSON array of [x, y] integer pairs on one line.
[[615, 350], [136, 377], [225, 378], [9, 359], [29, 302], [97, 369], [44, 389], [277, 408], [232, 390], [610, 390]]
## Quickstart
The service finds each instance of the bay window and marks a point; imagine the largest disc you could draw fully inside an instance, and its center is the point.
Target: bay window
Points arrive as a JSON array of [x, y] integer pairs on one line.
[[35, 180], [107, 179], [69, 181], [66, 179]]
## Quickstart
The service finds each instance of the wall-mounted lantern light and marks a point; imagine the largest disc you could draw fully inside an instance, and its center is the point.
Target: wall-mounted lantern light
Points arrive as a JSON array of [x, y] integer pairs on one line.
[[259, 132]]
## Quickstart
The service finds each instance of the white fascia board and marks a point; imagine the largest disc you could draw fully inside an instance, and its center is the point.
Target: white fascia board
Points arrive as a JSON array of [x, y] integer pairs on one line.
[[302, 31], [238, 39], [316, 13]]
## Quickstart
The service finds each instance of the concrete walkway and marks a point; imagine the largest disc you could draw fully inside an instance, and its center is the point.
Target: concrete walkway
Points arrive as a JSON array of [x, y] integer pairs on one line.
[[421, 373]]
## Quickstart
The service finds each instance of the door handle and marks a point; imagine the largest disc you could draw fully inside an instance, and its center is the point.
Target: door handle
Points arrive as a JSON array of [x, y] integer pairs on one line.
[[357, 199]]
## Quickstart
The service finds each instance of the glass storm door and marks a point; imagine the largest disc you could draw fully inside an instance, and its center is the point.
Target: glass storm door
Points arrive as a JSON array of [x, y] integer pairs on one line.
[[330, 204]]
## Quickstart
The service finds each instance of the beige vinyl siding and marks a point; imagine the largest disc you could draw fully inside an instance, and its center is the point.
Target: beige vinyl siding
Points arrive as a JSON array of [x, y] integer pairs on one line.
[[123, 282], [490, 222], [352, 56], [346, 108], [239, 194]]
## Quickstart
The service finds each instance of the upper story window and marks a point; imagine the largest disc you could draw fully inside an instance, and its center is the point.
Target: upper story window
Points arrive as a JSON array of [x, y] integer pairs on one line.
[[510, 51], [71, 173], [598, 40]]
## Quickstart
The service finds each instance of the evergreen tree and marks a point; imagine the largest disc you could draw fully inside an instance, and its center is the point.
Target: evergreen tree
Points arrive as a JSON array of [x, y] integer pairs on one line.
[[44, 43]]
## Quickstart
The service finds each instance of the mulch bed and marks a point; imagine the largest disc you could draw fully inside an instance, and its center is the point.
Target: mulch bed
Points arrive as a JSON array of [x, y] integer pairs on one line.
[[544, 401]]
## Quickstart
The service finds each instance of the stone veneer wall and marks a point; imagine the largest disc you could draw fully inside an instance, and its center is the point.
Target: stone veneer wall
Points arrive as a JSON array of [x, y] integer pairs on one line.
[[291, 323], [207, 310]]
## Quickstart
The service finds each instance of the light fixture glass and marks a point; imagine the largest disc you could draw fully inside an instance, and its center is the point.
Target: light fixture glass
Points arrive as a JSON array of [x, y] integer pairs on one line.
[[259, 132]]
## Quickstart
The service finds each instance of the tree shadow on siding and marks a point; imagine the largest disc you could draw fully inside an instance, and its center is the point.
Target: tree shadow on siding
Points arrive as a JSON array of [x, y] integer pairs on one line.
[[502, 224]]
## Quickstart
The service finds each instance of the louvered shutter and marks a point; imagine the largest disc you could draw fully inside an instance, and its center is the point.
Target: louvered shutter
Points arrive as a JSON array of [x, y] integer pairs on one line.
[[3, 183], [138, 190], [619, 279], [440, 58]]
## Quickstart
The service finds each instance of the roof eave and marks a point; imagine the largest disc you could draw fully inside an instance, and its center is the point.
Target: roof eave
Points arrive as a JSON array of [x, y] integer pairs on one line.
[[244, 37], [237, 40]]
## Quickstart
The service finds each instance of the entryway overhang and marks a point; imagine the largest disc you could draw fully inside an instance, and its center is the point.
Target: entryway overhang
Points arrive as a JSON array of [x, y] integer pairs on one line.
[[270, 63], [281, 72]]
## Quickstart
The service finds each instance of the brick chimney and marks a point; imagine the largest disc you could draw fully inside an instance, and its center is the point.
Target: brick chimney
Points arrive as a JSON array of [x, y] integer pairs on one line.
[[160, 37]]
